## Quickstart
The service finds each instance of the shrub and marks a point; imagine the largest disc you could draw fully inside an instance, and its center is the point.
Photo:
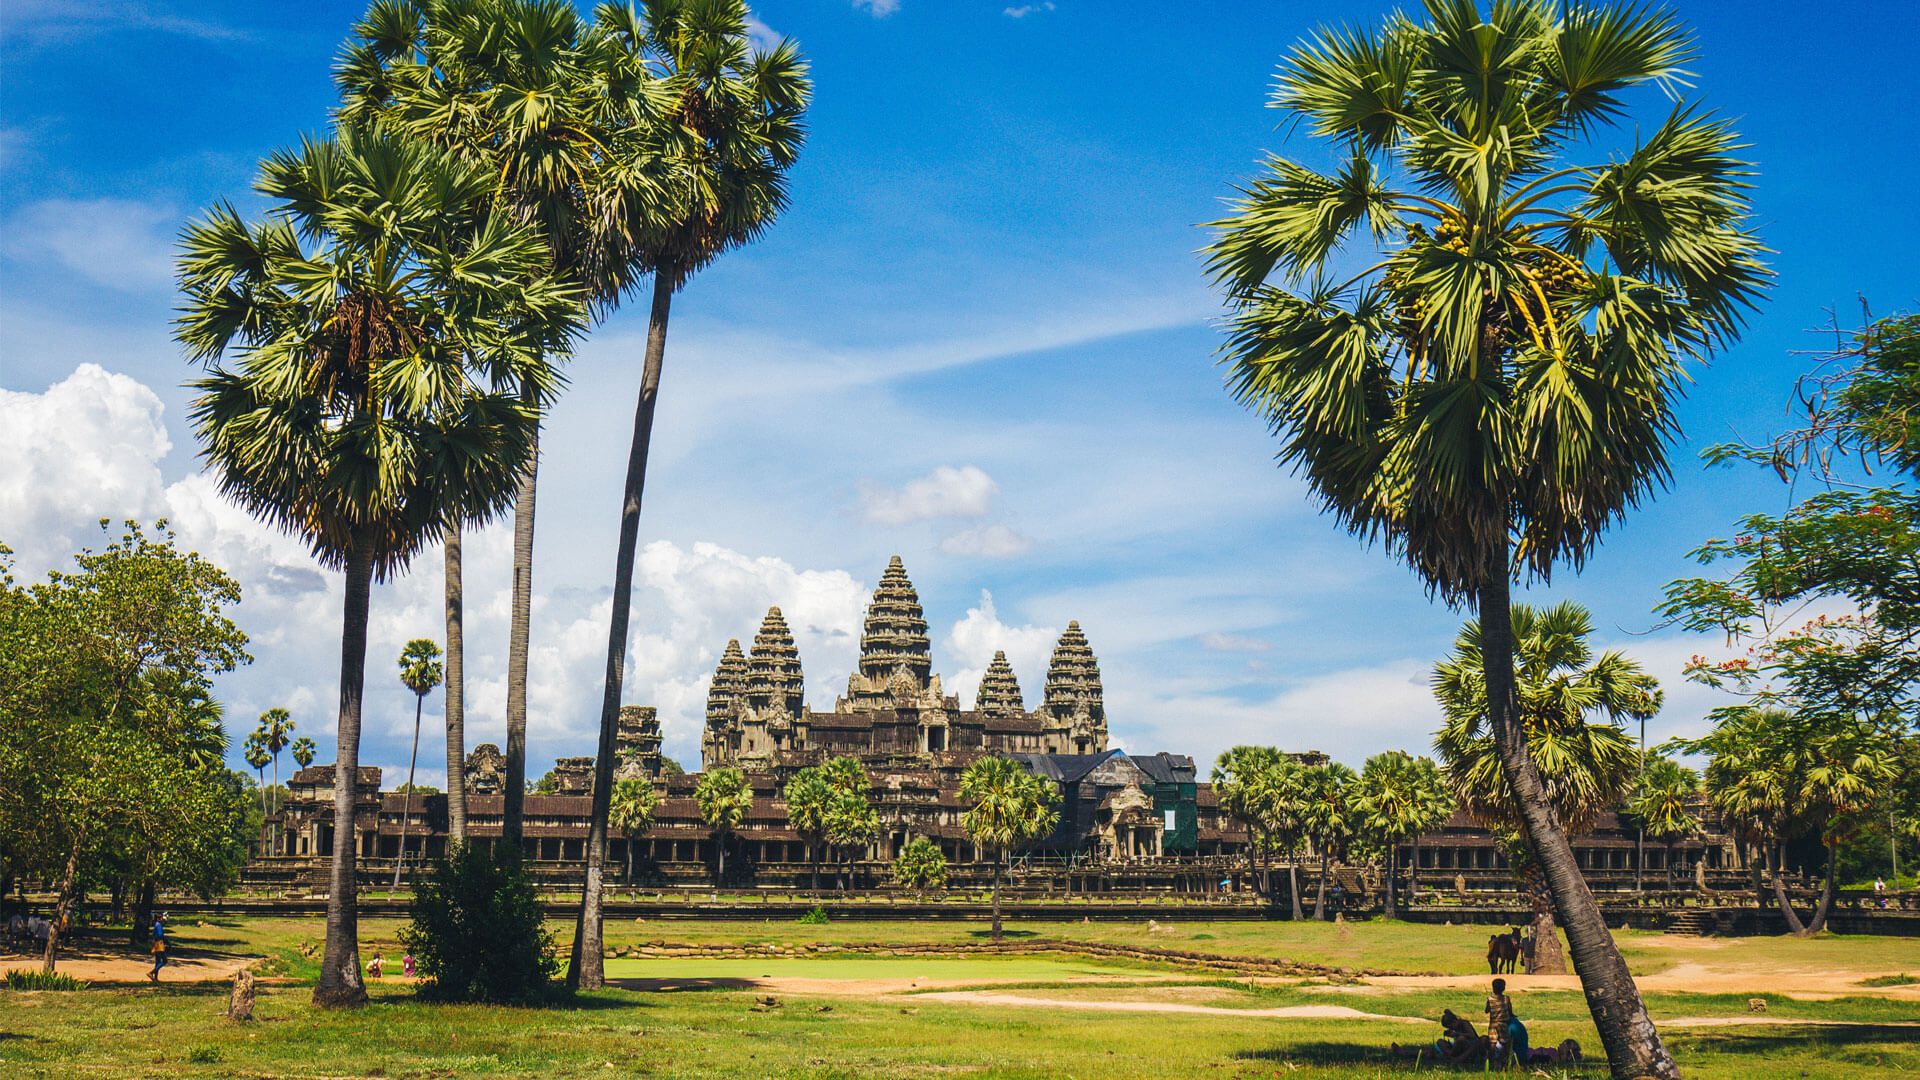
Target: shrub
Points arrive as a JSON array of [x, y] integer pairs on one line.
[[203, 1055], [22, 979], [816, 917], [477, 933], [921, 865]]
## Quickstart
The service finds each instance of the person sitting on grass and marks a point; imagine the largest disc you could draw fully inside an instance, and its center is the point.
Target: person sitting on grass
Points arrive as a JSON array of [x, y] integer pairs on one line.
[[374, 965], [1508, 1034], [1566, 1053], [1459, 1044]]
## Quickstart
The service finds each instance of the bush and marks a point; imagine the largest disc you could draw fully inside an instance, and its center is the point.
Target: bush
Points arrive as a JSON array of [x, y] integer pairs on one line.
[[920, 865], [477, 933], [816, 917], [203, 1055], [23, 979]]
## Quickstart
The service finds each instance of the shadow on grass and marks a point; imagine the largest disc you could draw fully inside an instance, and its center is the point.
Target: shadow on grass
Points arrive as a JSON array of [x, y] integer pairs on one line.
[[988, 934], [674, 986], [1777, 1038], [1348, 1053]]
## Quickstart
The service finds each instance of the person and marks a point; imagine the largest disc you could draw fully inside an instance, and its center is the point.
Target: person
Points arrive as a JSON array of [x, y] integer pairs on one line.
[[1507, 1033], [406, 965], [1339, 897], [374, 965], [1459, 1044], [1880, 891], [1527, 943], [1566, 1053], [159, 946]]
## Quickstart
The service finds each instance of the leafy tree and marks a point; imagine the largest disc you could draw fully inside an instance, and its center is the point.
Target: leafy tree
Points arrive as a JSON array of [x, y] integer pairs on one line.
[[634, 803], [1664, 802], [420, 672], [731, 129], [920, 866], [478, 933], [1327, 818], [724, 797], [1006, 806], [852, 822], [670, 767], [1396, 798], [303, 751], [810, 797], [1262, 789], [350, 323], [111, 746], [1496, 386], [254, 752], [1584, 766]]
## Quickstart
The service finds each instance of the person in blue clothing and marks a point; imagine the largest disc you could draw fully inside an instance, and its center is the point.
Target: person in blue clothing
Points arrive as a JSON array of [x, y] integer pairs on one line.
[[159, 946]]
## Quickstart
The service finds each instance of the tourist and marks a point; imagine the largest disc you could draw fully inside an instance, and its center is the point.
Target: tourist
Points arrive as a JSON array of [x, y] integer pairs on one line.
[[1527, 943], [159, 946], [374, 965], [1459, 1045], [1879, 891], [1566, 1053], [1507, 1033], [406, 965], [1339, 898]]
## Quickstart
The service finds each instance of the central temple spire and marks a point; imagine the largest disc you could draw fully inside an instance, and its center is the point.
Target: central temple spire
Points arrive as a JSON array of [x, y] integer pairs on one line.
[[774, 680], [896, 656]]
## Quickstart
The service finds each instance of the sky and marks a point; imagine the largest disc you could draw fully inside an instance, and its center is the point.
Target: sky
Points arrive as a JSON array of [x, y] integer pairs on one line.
[[980, 338]]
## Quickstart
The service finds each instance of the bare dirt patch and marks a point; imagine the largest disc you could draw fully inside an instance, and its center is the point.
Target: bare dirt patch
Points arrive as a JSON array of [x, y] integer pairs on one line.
[[1292, 1012], [105, 966], [1693, 977]]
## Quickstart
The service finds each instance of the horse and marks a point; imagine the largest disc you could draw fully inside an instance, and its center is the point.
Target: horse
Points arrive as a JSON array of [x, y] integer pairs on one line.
[[1503, 950]]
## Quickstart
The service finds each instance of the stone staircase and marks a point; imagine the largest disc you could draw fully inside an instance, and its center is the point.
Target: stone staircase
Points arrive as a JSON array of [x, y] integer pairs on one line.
[[1691, 923]]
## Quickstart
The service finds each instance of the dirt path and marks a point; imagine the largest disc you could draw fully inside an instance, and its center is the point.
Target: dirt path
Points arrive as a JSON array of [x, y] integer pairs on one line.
[[1291, 1012], [793, 984], [96, 966], [1692, 977]]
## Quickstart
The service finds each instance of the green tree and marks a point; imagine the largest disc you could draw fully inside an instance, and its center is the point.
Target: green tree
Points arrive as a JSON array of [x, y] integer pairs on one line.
[[1006, 806], [852, 822], [1584, 765], [303, 750], [1262, 788], [1396, 798], [634, 803], [920, 866], [1327, 817], [275, 732], [732, 128], [352, 320], [1663, 804], [724, 797], [810, 797], [420, 672], [111, 746], [254, 752], [1496, 386]]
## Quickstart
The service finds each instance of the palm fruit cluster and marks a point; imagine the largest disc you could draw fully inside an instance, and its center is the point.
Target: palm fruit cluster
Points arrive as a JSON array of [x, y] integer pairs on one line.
[[1556, 274], [1410, 308], [1451, 234]]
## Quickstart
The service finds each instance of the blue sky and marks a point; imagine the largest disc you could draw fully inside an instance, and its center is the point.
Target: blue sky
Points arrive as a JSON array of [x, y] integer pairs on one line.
[[980, 338]]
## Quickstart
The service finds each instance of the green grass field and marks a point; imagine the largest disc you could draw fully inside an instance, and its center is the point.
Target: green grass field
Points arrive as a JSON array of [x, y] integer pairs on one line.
[[872, 1021]]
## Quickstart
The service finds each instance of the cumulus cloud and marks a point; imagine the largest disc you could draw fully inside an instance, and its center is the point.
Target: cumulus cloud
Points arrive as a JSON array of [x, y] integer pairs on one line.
[[879, 9], [947, 492], [1021, 11], [987, 542], [119, 243], [1234, 643], [980, 633]]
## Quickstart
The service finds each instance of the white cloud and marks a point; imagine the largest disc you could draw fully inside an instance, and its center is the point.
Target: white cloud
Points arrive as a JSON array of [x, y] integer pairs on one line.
[[987, 542], [879, 9], [55, 21], [979, 634], [1217, 642], [947, 492], [1021, 11], [762, 36], [120, 243]]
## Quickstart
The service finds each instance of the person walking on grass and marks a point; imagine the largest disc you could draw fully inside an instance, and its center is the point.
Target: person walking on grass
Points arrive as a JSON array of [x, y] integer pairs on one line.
[[159, 946]]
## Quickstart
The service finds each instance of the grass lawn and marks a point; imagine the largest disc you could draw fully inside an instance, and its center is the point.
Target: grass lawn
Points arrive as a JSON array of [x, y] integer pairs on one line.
[[1063, 1023]]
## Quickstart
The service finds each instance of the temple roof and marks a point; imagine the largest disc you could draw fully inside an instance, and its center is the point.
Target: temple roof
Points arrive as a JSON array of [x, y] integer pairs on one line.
[[999, 693], [774, 678], [729, 682], [1073, 678]]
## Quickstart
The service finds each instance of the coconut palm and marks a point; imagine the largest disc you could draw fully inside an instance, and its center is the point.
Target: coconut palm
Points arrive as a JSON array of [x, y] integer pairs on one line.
[[1006, 806], [1396, 798], [1571, 706], [1327, 817], [1664, 804], [419, 672], [724, 797], [340, 335], [631, 812], [732, 130], [527, 91], [303, 751], [1496, 385]]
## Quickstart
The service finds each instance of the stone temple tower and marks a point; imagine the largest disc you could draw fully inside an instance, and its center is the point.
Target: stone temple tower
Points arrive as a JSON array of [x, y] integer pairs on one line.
[[726, 698], [1074, 712], [776, 690], [896, 659], [999, 694]]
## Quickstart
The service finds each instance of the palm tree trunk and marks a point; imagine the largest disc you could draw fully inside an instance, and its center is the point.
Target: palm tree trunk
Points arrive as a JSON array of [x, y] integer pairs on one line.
[[998, 862], [1547, 956], [1819, 921], [279, 804], [406, 811], [340, 983], [1626, 1031], [64, 903], [1293, 884], [1392, 850], [513, 821], [630, 860], [1413, 874], [1780, 896], [456, 672], [1754, 859], [586, 970], [1320, 900]]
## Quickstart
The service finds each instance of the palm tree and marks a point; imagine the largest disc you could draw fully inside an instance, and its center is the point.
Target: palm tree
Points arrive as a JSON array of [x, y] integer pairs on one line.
[[1262, 789], [275, 731], [1398, 797], [1327, 817], [851, 820], [1496, 387], [724, 797], [254, 750], [733, 130], [809, 796], [303, 751], [519, 90], [632, 810], [1664, 803], [351, 318], [420, 673], [1006, 806], [1585, 766]]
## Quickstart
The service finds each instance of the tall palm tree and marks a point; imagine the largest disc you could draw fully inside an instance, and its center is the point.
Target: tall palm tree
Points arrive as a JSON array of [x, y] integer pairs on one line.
[[303, 751], [1327, 816], [340, 336], [1006, 806], [254, 750], [1398, 797], [1585, 766], [733, 130], [724, 797], [1663, 804], [1262, 789], [275, 731], [809, 797], [634, 804], [419, 672], [1496, 387], [529, 92]]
